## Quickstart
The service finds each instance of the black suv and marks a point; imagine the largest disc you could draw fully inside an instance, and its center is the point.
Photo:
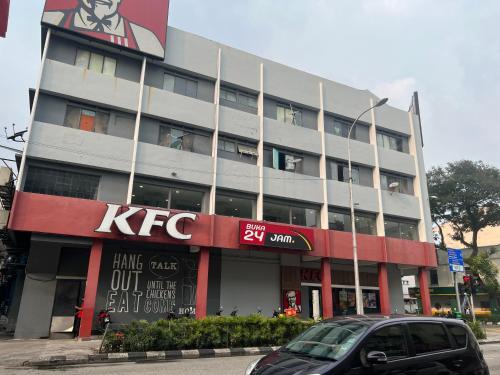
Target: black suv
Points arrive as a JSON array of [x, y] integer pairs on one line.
[[378, 345]]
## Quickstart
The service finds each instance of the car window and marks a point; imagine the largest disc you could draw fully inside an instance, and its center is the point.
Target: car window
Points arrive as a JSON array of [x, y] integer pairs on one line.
[[428, 337], [390, 340], [328, 340], [459, 334]]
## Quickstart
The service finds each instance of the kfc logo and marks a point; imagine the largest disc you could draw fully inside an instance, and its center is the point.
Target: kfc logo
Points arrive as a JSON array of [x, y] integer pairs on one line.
[[138, 25]]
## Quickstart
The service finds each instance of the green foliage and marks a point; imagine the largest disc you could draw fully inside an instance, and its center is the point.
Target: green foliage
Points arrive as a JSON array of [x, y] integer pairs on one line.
[[466, 195], [208, 333], [487, 270], [477, 329]]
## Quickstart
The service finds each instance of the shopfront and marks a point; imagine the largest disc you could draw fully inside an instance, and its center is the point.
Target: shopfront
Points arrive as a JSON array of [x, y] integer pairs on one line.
[[144, 263]]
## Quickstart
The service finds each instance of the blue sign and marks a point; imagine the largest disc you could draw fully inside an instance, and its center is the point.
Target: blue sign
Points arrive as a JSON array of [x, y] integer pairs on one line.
[[456, 260]]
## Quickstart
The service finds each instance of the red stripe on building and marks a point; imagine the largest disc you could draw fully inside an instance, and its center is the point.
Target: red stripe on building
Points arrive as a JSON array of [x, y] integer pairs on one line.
[[4, 17]]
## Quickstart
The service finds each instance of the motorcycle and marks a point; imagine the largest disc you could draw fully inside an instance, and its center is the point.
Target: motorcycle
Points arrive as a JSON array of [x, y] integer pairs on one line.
[[104, 318]]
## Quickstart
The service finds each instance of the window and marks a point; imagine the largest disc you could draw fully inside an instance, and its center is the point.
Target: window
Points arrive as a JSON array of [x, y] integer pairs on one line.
[[428, 337], [283, 160], [434, 277], [237, 99], [158, 195], [237, 150], [180, 85], [405, 183], [340, 171], [341, 220], [95, 62], [229, 205], [329, 340], [289, 114], [289, 214], [340, 127], [403, 229], [91, 120], [61, 183], [390, 340], [392, 141], [459, 334], [184, 139]]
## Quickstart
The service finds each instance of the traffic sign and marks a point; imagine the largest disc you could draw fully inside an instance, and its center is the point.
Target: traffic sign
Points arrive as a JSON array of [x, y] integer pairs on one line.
[[456, 260]]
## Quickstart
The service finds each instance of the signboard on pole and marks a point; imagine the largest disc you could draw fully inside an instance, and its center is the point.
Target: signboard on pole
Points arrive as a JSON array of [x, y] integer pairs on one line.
[[456, 260]]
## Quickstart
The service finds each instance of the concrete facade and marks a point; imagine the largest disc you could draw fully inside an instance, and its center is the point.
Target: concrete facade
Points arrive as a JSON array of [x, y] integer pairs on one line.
[[130, 152]]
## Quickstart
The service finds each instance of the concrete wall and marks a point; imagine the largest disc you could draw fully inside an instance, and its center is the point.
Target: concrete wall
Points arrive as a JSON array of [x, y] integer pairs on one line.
[[294, 137], [292, 186], [239, 123], [402, 205], [395, 289], [249, 282], [235, 175], [365, 197]]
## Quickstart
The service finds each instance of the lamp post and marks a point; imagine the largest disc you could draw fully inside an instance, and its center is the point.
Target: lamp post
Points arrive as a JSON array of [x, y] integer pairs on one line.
[[359, 300]]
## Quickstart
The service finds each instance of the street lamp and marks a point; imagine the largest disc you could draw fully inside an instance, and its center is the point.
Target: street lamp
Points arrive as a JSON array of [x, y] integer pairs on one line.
[[359, 300]]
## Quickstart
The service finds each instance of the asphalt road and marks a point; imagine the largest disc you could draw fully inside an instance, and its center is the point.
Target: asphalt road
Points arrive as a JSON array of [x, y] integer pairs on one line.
[[215, 366]]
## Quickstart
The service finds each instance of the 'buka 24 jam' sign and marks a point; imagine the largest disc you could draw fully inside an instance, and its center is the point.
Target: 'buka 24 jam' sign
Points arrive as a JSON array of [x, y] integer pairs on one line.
[[280, 236]]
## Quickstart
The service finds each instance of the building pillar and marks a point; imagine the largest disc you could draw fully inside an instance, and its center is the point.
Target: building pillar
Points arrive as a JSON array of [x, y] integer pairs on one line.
[[383, 284], [91, 289], [202, 283], [326, 288], [423, 281]]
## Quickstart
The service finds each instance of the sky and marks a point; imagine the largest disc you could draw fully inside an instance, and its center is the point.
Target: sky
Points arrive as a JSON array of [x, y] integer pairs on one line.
[[447, 50]]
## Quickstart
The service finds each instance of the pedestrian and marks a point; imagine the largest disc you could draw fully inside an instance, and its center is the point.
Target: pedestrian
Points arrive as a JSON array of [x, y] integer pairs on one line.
[[78, 318]]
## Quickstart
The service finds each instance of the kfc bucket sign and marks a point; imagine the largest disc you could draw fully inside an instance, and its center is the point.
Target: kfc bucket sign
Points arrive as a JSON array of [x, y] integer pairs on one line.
[[139, 25], [153, 218], [271, 235]]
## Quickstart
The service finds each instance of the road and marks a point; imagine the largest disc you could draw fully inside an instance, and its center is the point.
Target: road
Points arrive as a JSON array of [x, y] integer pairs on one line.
[[215, 366]]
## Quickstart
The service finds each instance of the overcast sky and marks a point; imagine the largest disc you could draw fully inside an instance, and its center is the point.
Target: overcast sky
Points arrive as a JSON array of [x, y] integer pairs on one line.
[[447, 50]]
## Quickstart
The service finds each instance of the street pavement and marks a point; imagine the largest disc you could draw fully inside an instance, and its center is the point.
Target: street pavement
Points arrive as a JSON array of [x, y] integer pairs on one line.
[[209, 366]]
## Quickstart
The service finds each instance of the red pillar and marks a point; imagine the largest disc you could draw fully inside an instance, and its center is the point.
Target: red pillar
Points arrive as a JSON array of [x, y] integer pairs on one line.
[[202, 283], [91, 289], [326, 288], [383, 284], [425, 295]]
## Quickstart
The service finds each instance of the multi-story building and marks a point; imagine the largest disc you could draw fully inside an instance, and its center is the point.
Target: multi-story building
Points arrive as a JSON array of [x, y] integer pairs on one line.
[[154, 186]]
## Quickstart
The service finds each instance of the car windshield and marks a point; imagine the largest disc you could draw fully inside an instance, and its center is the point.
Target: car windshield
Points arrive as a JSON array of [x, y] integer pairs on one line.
[[328, 340]]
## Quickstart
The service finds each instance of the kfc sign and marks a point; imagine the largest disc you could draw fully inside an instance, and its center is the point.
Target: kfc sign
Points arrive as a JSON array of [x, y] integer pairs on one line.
[[271, 235], [150, 220], [140, 25]]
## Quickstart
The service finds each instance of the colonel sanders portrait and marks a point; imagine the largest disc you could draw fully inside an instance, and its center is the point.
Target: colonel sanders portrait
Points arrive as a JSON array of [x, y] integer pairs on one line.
[[291, 299], [102, 19]]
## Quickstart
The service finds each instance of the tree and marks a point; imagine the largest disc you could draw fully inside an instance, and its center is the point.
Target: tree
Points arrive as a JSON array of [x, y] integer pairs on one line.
[[483, 266], [465, 194]]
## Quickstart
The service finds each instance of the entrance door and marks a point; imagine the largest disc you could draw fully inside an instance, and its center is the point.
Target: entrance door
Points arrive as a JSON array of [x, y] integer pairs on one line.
[[69, 293]]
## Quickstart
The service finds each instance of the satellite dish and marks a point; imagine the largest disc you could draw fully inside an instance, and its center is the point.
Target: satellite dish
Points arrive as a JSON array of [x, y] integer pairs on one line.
[[393, 186]]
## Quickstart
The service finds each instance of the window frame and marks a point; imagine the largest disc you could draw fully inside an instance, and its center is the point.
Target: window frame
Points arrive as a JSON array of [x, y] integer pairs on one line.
[[238, 94], [178, 76], [401, 179], [91, 53], [433, 352], [357, 214], [289, 107], [232, 195], [84, 107], [405, 335], [186, 132], [289, 205], [387, 137]]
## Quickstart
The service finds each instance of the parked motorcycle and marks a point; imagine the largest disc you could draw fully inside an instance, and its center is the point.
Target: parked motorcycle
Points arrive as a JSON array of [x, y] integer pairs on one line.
[[104, 319]]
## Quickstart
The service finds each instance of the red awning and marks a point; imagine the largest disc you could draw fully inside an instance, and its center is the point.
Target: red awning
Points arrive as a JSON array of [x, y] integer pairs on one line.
[[4, 16]]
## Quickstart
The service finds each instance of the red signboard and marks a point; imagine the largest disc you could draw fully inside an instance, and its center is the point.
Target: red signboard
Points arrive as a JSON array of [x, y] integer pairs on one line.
[[136, 25], [4, 17], [272, 235]]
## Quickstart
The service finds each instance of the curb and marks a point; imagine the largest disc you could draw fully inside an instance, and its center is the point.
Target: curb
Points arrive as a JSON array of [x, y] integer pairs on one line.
[[147, 356], [489, 342]]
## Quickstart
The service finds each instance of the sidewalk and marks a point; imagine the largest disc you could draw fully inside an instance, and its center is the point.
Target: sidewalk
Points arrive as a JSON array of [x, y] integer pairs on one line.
[[14, 353]]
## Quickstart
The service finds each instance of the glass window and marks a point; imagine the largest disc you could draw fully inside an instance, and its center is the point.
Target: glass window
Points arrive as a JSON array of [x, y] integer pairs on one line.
[[151, 195], [156, 195], [405, 183], [171, 137], [228, 95], [289, 115], [390, 340], [247, 100], [87, 120], [459, 334], [168, 82], [96, 62], [61, 183], [101, 123], [109, 67], [403, 229], [392, 229], [341, 221], [82, 58], [191, 88], [72, 119], [185, 140], [276, 212], [229, 205], [428, 337], [186, 200], [327, 340], [306, 217], [390, 141]]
